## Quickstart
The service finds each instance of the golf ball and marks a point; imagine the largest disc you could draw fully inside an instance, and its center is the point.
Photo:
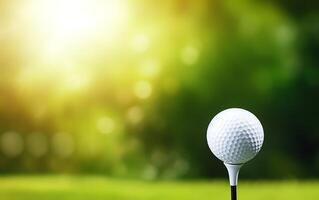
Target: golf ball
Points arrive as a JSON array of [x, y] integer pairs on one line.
[[235, 136]]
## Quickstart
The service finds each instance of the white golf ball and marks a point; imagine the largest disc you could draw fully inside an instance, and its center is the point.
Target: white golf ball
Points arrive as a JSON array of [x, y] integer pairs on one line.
[[235, 136]]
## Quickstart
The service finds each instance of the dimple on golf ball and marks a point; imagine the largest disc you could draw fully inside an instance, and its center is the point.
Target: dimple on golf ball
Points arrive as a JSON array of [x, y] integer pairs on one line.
[[235, 136]]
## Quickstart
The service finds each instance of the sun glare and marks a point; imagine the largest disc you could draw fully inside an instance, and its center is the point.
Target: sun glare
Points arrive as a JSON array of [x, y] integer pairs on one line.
[[64, 25], [62, 37]]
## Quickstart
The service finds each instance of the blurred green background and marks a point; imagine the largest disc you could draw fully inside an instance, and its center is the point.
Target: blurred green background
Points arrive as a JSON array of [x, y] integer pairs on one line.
[[126, 89]]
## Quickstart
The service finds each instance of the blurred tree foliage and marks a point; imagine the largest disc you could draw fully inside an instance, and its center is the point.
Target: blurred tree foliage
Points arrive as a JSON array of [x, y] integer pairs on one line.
[[258, 55]]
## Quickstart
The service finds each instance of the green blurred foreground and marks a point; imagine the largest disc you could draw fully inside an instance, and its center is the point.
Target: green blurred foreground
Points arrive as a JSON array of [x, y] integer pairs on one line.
[[65, 187]]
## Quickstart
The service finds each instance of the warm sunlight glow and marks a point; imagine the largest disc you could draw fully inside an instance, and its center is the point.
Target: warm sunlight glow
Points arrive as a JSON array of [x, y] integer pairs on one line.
[[65, 25]]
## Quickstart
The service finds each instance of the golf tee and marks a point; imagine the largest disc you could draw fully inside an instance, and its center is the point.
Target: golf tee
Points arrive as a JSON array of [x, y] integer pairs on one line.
[[233, 171]]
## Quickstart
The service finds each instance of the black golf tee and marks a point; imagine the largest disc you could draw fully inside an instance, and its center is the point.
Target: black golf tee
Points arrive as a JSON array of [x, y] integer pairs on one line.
[[233, 192]]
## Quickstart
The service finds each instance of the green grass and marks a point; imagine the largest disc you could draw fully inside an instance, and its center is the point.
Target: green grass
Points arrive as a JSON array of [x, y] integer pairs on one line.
[[96, 188]]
